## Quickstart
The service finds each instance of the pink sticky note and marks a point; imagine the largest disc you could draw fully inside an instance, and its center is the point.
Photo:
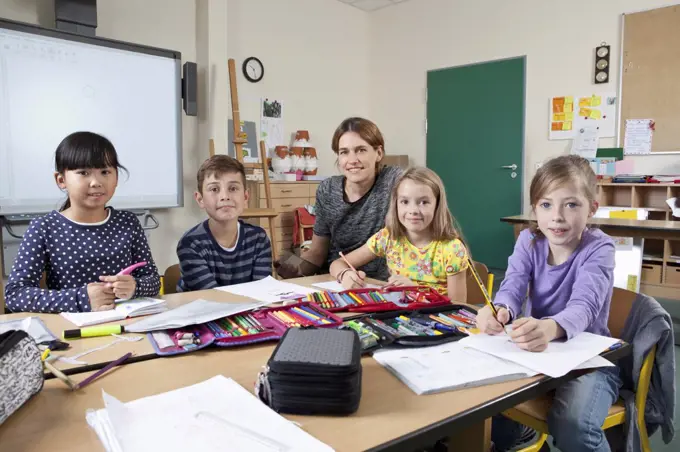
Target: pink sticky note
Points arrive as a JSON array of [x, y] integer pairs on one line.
[[625, 166]]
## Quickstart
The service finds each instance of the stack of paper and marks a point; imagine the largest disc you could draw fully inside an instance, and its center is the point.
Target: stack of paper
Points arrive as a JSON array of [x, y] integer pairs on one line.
[[124, 309], [269, 290], [216, 414], [448, 366]]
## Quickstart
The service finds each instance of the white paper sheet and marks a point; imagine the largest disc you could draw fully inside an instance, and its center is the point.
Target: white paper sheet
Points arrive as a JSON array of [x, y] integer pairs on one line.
[[198, 311], [334, 286], [199, 417], [638, 136], [675, 206], [269, 290], [557, 360], [585, 142]]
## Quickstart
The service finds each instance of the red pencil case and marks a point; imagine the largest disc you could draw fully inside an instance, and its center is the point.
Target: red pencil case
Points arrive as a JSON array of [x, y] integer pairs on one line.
[[378, 300], [261, 325]]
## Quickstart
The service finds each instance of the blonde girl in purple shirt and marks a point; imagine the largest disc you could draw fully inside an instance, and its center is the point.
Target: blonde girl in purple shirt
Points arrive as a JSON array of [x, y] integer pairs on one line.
[[567, 270]]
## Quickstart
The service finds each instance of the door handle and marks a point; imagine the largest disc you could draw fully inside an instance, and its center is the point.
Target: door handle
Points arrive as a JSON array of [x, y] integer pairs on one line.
[[510, 167]]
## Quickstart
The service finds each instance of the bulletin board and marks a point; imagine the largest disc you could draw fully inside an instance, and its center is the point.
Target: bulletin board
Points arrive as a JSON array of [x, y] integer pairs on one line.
[[569, 114], [650, 87]]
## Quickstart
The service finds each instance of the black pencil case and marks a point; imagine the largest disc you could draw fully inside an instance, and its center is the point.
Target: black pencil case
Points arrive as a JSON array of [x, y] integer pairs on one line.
[[21, 371], [313, 371], [378, 330]]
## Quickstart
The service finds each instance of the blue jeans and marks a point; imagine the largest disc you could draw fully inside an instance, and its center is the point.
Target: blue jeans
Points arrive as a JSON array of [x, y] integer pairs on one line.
[[575, 419]]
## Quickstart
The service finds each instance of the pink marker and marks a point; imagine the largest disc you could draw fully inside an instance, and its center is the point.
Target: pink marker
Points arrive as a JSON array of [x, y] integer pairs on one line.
[[132, 268]]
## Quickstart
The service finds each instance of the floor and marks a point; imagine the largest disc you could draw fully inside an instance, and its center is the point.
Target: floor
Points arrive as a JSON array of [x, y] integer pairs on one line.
[[673, 308]]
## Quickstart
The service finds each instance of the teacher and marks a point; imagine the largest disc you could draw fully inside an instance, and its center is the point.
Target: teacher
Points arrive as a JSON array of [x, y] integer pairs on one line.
[[352, 207]]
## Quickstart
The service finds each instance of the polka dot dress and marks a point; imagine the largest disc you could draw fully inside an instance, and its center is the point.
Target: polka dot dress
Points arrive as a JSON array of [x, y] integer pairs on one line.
[[73, 255]]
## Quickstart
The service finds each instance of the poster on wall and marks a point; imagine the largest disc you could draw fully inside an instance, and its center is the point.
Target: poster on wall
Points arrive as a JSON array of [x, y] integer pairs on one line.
[[271, 124], [250, 149], [570, 114]]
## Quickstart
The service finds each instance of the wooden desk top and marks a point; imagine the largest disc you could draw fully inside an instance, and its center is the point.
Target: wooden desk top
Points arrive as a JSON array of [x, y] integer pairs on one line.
[[389, 412], [143, 349], [619, 223]]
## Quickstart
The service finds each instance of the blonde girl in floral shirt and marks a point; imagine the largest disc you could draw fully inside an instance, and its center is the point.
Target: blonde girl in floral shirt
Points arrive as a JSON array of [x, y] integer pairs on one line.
[[420, 241]]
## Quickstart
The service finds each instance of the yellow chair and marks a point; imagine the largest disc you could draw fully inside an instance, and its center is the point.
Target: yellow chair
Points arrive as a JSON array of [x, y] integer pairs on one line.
[[534, 413], [474, 292], [170, 279]]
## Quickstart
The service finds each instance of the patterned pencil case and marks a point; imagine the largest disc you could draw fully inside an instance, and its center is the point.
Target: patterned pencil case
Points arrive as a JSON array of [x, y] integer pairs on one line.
[[413, 328], [377, 300], [21, 371], [268, 324]]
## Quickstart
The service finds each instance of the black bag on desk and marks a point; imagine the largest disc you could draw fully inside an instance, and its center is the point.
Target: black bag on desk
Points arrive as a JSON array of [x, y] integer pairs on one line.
[[21, 371], [313, 371]]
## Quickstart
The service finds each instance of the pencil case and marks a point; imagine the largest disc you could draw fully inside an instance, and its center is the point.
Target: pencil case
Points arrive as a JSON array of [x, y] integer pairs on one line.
[[268, 324], [313, 371], [377, 300], [21, 371], [412, 328]]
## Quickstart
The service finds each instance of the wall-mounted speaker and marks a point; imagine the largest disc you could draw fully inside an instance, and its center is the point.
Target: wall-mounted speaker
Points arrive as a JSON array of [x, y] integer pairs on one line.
[[602, 54], [76, 16], [190, 88]]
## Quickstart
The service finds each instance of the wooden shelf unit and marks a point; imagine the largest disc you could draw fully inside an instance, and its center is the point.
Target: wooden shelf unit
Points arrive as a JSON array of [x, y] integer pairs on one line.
[[660, 275]]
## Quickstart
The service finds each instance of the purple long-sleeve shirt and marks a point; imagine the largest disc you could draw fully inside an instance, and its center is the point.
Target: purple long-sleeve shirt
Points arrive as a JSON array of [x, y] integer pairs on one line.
[[576, 294]]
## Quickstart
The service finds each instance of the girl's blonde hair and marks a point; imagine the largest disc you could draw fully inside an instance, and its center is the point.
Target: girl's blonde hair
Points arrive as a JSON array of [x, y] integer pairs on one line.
[[559, 171], [444, 226]]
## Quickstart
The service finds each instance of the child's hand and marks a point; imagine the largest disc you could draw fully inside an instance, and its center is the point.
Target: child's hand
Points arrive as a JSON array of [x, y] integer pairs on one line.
[[123, 285], [532, 334], [101, 297], [489, 324], [399, 280], [353, 280]]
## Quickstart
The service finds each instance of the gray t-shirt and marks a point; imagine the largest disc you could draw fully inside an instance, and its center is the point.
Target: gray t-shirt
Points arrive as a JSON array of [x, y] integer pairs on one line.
[[349, 225]]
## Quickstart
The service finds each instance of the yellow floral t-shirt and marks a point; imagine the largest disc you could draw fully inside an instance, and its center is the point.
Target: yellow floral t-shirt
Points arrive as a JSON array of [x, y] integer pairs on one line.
[[428, 266]]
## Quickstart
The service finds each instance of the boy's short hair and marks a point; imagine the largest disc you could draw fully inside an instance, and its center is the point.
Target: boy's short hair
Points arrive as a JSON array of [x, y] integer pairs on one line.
[[218, 165]]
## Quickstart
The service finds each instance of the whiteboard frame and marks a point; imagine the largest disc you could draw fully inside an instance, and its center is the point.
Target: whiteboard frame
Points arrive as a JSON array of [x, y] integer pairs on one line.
[[129, 47]]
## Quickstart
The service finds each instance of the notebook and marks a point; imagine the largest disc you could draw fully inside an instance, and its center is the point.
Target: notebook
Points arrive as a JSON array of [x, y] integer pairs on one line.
[[216, 414], [334, 286], [453, 366], [558, 359], [124, 309], [268, 290]]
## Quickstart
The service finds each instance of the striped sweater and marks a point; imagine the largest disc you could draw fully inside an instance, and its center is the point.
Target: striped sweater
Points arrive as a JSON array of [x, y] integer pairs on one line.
[[205, 264]]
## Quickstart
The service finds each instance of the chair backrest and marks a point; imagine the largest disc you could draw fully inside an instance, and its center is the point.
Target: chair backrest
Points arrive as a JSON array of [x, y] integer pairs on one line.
[[474, 293], [170, 279], [622, 303]]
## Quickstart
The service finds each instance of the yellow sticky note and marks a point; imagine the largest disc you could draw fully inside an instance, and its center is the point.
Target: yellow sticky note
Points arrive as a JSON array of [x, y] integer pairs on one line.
[[624, 214], [585, 102], [585, 112], [631, 283], [595, 114], [568, 108], [596, 101], [566, 126], [558, 117], [569, 116], [569, 100]]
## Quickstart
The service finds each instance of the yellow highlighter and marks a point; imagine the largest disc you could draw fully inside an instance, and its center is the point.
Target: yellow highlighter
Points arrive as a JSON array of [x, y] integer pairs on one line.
[[94, 331]]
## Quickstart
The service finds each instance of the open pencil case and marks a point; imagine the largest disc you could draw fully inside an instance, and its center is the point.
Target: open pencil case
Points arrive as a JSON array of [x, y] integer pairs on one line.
[[413, 327], [377, 300], [268, 324]]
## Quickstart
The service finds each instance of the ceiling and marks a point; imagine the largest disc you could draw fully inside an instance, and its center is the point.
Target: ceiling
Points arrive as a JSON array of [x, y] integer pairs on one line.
[[372, 5]]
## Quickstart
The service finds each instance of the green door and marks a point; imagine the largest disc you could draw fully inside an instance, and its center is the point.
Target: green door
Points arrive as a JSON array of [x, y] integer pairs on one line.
[[475, 128]]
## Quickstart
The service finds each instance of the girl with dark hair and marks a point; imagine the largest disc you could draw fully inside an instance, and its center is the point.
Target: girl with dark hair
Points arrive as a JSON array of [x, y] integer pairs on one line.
[[84, 246]]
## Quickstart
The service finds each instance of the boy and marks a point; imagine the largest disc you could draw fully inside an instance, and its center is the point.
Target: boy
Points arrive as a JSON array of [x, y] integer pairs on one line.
[[222, 250]]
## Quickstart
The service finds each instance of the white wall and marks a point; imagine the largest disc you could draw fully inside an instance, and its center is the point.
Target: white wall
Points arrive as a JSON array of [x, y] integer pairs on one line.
[[316, 61], [558, 38]]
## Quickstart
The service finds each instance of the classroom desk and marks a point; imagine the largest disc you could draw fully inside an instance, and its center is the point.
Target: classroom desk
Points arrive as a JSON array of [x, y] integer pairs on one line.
[[647, 229], [390, 417], [142, 350]]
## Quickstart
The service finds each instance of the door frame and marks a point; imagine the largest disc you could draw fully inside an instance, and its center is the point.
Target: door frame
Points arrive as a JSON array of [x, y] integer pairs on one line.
[[524, 115]]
